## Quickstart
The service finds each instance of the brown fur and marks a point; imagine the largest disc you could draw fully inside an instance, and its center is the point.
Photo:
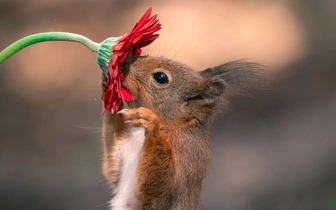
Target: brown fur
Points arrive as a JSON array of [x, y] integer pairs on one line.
[[177, 118]]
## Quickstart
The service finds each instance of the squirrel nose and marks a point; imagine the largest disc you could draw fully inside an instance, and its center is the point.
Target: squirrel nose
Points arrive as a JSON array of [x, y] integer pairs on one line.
[[130, 59], [127, 63]]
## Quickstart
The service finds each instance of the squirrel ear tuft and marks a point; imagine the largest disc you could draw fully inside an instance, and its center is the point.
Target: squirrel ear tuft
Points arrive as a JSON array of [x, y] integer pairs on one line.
[[242, 78]]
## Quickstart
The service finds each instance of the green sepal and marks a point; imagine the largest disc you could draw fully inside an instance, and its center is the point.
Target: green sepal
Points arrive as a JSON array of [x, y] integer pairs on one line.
[[105, 51]]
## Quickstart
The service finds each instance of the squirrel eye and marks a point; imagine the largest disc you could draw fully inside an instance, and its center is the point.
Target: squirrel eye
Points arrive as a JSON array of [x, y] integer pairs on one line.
[[160, 78]]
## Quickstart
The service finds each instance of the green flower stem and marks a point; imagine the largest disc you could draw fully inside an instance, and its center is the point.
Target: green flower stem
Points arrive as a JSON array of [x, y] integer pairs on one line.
[[43, 37]]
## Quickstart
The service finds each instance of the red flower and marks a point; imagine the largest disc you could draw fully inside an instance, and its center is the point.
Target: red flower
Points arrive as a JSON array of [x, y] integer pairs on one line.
[[130, 44]]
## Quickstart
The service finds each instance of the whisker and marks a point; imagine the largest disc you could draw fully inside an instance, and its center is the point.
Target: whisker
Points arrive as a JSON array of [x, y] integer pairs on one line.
[[94, 55], [173, 45], [145, 86], [94, 132], [177, 53], [164, 48], [91, 128], [107, 203], [142, 82], [158, 54]]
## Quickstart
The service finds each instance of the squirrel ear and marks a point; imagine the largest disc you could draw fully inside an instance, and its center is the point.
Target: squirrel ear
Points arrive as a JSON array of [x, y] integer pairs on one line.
[[242, 78], [206, 91]]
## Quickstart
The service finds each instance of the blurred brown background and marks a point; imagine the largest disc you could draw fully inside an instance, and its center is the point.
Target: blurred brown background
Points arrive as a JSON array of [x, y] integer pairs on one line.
[[278, 152]]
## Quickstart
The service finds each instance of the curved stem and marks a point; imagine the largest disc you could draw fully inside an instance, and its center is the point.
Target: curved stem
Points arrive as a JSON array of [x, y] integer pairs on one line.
[[43, 37]]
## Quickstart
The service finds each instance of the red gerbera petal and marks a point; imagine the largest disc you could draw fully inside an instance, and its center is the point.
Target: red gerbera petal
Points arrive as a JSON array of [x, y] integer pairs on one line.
[[126, 95], [140, 36]]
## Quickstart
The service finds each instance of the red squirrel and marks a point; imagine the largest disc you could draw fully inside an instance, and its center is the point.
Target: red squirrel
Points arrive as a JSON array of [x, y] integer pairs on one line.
[[156, 151]]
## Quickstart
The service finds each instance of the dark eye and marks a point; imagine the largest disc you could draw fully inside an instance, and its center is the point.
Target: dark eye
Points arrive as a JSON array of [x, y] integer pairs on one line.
[[160, 78]]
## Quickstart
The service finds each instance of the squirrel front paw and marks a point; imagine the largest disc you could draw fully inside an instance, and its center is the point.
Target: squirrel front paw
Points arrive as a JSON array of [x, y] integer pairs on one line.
[[141, 117]]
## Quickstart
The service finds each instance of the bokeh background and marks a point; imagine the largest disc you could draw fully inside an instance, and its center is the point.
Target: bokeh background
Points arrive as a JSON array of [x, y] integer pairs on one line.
[[274, 153]]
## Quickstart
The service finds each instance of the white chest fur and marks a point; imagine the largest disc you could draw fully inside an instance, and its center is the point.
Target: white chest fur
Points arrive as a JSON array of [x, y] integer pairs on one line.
[[129, 154]]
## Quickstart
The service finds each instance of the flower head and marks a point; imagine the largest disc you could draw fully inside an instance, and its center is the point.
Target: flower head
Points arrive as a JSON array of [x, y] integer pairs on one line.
[[130, 44], [111, 53]]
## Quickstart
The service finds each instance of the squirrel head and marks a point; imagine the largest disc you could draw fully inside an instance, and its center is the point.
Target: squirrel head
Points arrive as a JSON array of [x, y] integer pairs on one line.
[[175, 91], [170, 89]]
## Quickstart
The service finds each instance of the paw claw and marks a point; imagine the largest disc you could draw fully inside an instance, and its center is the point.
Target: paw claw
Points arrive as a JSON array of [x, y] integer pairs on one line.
[[123, 111]]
